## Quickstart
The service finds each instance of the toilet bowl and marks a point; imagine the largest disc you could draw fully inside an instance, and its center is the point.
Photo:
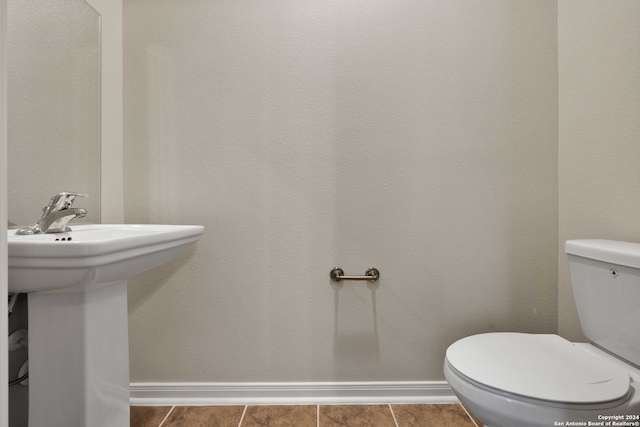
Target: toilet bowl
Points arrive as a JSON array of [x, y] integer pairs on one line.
[[529, 380], [540, 380]]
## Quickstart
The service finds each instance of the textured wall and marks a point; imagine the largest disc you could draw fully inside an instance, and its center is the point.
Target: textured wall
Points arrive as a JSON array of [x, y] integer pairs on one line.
[[419, 137], [599, 130]]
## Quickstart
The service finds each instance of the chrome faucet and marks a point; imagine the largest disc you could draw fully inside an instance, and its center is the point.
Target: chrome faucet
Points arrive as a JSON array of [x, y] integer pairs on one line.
[[56, 215]]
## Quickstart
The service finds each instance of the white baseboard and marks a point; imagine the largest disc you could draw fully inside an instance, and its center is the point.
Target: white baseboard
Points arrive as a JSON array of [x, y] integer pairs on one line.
[[194, 394]]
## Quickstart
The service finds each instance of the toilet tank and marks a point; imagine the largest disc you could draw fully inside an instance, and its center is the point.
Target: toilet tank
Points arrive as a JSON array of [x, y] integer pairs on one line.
[[605, 278]]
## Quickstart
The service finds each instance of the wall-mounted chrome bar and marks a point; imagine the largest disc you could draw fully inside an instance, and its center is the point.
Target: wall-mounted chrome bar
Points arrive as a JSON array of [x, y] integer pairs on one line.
[[337, 274]]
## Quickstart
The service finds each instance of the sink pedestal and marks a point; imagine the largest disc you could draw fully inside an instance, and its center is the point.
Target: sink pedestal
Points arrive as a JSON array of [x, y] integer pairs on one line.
[[79, 357]]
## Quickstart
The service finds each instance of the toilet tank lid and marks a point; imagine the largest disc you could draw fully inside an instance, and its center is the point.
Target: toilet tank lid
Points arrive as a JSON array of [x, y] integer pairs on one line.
[[538, 366], [611, 251]]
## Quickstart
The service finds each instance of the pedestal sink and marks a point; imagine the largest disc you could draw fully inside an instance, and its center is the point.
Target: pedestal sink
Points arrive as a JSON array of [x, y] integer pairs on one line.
[[78, 330]]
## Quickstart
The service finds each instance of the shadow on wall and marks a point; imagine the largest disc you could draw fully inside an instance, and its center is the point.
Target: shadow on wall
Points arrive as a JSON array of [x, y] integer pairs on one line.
[[355, 342]]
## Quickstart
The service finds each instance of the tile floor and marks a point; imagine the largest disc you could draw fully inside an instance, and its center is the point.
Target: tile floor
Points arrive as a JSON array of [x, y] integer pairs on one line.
[[410, 415]]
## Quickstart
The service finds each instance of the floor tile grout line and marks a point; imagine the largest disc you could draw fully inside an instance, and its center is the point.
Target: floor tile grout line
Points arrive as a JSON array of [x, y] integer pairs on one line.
[[468, 415], [242, 417], [393, 415], [166, 416], [318, 410]]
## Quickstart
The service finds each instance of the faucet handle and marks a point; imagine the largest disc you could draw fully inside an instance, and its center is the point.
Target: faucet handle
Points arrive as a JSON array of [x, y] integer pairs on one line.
[[61, 201]]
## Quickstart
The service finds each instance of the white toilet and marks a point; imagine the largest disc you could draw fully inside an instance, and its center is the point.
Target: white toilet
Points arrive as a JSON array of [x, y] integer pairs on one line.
[[535, 380]]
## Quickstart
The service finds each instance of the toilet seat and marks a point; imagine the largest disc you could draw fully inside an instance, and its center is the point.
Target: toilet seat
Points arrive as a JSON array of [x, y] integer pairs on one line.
[[556, 370]]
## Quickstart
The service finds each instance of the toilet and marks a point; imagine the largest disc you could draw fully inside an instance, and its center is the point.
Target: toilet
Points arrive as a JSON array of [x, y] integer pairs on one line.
[[535, 380]]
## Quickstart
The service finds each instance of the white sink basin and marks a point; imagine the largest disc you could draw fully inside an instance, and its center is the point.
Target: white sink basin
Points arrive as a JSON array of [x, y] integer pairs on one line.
[[93, 254]]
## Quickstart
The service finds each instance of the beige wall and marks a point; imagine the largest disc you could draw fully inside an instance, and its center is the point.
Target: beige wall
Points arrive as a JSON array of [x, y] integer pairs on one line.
[[599, 130], [419, 137]]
